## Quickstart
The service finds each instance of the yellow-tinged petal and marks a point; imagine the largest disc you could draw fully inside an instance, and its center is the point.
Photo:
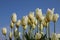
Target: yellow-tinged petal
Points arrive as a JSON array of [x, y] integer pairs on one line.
[[38, 36], [10, 35], [4, 31], [11, 24], [55, 17], [31, 15], [41, 26], [14, 17], [18, 23], [24, 20], [49, 14]]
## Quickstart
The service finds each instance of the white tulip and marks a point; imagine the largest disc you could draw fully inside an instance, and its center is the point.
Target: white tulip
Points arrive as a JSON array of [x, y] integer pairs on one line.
[[38, 36], [55, 17], [18, 23], [44, 23], [11, 24], [10, 35], [49, 14], [24, 20], [31, 15], [38, 13], [29, 21], [4, 31], [54, 36], [41, 18], [33, 26], [14, 17]]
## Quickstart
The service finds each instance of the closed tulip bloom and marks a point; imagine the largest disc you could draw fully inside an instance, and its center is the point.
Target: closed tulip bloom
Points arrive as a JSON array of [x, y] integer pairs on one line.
[[38, 36], [38, 13], [31, 15], [55, 17], [14, 17], [18, 23], [11, 24], [10, 35], [54, 37], [29, 21], [4, 31], [44, 23], [33, 26], [24, 20], [41, 18], [49, 14]]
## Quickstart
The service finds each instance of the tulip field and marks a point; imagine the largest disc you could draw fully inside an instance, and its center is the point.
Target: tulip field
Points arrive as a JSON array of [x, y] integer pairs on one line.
[[35, 22]]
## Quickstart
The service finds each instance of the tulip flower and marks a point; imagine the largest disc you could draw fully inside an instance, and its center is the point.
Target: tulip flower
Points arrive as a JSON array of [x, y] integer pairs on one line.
[[10, 35], [4, 31], [18, 23], [53, 37], [11, 25], [38, 13], [49, 14], [55, 17], [38, 36], [24, 20], [31, 15], [49, 17], [44, 23], [24, 24], [14, 17]]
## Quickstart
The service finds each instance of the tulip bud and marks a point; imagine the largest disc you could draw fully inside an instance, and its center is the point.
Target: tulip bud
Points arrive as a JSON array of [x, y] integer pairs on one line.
[[49, 14], [55, 17], [18, 23], [11, 24], [38, 13], [14, 17], [4, 31], [10, 35], [38, 36]]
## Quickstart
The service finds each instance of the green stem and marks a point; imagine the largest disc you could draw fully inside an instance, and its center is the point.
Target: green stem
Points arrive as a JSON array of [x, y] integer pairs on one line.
[[54, 27], [23, 33], [48, 30]]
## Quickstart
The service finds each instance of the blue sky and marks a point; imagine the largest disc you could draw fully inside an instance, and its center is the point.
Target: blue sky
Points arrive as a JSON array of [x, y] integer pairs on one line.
[[23, 7]]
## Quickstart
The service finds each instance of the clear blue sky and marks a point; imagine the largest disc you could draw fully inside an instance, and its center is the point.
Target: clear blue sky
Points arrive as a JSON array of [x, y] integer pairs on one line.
[[23, 7]]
